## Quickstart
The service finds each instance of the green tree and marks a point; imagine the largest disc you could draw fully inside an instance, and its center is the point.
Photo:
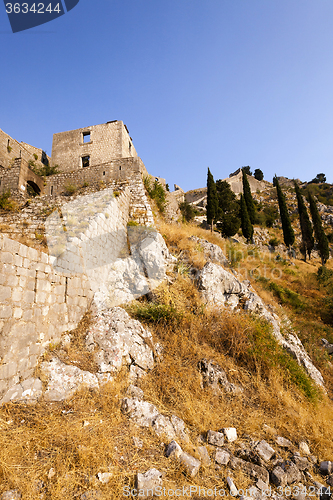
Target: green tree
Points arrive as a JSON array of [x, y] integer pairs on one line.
[[306, 226], [320, 235], [228, 220], [212, 200], [247, 170], [188, 211], [319, 179], [247, 227], [258, 174], [248, 197], [288, 232]]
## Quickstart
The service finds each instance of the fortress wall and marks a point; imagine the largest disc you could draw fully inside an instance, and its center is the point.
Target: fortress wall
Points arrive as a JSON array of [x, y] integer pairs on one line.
[[107, 141], [16, 150], [42, 296], [119, 170]]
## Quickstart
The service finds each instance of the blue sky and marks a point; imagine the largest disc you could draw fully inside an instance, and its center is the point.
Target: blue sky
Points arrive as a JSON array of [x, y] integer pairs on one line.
[[218, 83]]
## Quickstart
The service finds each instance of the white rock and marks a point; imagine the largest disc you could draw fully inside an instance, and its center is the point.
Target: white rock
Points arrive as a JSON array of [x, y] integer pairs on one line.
[[264, 450], [230, 433], [141, 412], [104, 477], [304, 448], [65, 380], [148, 482], [173, 450]]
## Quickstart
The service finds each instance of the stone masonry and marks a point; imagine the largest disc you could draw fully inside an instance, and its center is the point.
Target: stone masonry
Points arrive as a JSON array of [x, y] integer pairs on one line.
[[41, 295], [99, 143]]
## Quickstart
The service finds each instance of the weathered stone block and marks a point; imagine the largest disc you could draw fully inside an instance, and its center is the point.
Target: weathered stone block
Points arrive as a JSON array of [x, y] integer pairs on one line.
[[17, 294], [6, 258], [5, 293], [28, 297], [17, 313], [6, 312]]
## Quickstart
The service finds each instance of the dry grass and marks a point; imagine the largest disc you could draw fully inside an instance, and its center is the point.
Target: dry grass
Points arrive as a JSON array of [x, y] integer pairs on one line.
[[88, 434]]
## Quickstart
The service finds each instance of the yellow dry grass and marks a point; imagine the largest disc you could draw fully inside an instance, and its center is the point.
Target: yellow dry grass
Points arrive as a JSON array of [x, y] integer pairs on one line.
[[66, 444]]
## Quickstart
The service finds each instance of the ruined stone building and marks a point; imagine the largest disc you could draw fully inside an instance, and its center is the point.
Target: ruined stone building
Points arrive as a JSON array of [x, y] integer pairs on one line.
[[94, 155]]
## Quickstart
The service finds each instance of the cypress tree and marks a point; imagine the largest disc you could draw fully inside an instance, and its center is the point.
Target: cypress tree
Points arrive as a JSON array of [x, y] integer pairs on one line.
[[306, 226], [247, 227], [320, 235], [248, 197], [288, 232], [212, 200], [228, 220]]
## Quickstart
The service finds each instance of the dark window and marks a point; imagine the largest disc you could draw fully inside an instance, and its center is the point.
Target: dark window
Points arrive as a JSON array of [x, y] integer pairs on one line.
[[86, 137], [44, 159], [103, 173], [85, 161], [120, 168], [51, 190]]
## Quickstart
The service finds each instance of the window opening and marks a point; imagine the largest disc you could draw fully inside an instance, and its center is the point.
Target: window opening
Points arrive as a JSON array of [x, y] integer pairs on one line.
[[86, 137], [85, 161]]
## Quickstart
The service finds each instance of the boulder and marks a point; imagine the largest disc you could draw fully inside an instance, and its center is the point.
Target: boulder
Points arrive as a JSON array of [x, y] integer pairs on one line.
[[28, 391], [163, 427], [11, 495], [173, 450], [212, 253], [230, 434], [304, 448], [286, 473], [326, 467], [118, 339], [302, 463]]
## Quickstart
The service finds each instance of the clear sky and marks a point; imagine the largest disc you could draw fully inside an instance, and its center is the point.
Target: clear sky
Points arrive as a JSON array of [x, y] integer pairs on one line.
[[199, 83]]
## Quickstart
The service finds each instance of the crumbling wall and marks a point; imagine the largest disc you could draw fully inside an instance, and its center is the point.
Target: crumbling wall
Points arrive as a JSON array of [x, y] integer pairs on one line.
[[107, 141], [118, 170], [41, 295]]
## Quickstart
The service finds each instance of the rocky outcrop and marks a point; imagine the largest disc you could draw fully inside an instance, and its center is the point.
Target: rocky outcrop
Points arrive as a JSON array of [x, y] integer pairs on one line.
[[116, 338], [213, 376], [212, 252], [139, 273], [220, 287]]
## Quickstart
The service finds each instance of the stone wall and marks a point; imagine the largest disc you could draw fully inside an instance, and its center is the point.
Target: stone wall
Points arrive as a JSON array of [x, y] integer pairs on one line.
[[107, 141], [37, 305], [118, 170], [41, 295], [11, 149]]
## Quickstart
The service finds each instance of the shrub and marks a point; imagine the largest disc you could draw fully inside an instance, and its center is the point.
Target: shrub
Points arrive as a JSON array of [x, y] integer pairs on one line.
[[35, 156], [156, 192], [6, 203], [9, 149], [188, 211], [274, 242], [116, 194], [70, 189]]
